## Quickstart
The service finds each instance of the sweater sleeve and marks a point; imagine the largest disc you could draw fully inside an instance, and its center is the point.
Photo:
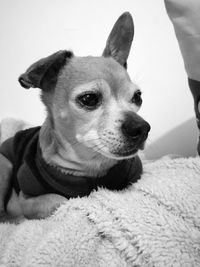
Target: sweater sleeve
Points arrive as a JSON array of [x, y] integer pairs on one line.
[[6, 149]]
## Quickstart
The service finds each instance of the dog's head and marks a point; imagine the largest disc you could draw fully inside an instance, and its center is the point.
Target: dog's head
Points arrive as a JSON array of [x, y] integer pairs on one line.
[[92, 101]]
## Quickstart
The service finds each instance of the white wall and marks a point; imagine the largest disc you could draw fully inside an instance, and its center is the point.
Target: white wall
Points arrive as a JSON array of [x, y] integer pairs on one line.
[[31, 29]]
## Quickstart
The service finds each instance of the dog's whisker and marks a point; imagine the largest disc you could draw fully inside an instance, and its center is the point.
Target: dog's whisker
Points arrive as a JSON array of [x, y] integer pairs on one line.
[[93, 139], [88, 140], [98, 148]]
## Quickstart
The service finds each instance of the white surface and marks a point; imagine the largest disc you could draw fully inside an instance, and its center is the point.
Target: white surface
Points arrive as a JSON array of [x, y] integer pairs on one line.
[[180, 141], [30, 30]]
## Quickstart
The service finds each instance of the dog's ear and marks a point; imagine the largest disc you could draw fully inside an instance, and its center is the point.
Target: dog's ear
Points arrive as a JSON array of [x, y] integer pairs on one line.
[[43, 73], [120, 39]]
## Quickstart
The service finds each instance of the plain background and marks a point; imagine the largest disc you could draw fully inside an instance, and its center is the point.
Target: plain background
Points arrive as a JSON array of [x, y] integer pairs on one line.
[[30, 30]]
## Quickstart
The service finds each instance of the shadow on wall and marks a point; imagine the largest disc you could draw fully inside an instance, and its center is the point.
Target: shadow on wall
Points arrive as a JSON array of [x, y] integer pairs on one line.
[[181, 140]]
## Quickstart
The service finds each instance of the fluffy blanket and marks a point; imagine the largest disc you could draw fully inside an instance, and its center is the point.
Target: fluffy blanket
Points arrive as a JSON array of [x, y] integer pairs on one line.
[[155, 222]]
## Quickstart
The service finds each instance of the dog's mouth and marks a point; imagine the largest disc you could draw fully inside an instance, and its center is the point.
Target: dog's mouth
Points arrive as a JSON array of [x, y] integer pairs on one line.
[[128, 151], [121, 152]]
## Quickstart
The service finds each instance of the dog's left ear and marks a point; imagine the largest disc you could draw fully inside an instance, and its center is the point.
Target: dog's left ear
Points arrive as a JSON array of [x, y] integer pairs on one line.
[[43, 73], [120, 39]]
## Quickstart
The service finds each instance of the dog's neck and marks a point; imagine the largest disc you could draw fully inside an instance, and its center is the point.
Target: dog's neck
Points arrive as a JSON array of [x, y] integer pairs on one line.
[[62, 155]]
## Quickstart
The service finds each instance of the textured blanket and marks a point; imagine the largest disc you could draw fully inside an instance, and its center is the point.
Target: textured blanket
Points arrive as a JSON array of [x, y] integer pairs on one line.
[[155, 222]]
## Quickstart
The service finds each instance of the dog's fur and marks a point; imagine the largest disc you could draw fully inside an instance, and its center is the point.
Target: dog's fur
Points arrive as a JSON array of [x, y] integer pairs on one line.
[[78, 138]]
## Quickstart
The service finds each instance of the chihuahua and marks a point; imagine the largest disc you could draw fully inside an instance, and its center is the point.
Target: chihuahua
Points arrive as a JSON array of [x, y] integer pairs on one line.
[[91, 134]]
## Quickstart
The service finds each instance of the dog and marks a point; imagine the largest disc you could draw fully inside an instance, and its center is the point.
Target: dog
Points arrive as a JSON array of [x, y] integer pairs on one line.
[[91, 134]]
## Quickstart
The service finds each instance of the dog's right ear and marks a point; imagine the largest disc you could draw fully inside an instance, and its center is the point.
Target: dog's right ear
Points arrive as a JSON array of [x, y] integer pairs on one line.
[[120, 39], [43, 73]]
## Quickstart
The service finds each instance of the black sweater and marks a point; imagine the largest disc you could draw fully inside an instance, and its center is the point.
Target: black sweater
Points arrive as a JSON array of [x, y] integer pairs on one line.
[[34, 176]]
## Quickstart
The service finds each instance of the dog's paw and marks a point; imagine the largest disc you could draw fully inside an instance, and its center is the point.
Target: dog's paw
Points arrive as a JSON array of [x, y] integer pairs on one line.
[[40, 207]]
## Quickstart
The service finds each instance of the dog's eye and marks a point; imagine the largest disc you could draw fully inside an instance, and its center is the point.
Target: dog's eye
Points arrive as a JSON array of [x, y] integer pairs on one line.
[[137, 99], [90, 100]]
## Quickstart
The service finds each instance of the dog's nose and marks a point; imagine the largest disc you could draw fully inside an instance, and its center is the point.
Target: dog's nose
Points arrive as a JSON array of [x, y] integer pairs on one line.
[[135, 129]]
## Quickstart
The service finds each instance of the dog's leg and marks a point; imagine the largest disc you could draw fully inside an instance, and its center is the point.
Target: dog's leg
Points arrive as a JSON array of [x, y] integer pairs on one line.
[[5, 176], [40, 207]]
